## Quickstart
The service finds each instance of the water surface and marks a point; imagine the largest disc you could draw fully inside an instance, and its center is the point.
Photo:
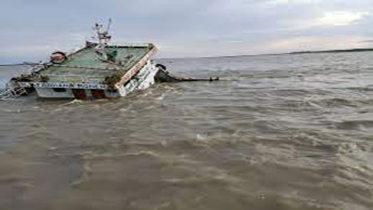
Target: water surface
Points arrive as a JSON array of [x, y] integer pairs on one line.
[[286, 132]]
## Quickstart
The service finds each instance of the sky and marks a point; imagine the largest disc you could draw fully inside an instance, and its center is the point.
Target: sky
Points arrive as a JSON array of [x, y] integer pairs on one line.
[[32, 29]]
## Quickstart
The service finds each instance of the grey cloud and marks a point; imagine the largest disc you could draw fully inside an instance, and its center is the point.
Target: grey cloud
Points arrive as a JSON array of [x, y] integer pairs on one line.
[[203, 25]]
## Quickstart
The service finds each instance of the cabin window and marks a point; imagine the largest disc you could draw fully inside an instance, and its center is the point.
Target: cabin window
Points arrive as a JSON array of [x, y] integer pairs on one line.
[[112, 91], [59, 90]]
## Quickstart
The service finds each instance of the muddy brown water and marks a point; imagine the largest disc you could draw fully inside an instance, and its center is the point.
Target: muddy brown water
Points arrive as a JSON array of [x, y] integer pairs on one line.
[[287, 132]]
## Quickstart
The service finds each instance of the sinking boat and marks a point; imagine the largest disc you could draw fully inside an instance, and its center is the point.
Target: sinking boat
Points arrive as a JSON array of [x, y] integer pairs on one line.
[[98, 70]]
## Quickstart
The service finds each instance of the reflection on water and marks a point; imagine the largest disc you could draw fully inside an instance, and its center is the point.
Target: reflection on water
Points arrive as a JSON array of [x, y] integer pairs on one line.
[[290, 132]]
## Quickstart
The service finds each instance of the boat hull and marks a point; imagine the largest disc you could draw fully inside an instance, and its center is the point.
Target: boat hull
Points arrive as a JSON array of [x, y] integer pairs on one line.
[[142, 80]]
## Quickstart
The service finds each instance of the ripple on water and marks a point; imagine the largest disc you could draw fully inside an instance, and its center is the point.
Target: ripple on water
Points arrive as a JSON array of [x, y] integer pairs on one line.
[[290, 132]]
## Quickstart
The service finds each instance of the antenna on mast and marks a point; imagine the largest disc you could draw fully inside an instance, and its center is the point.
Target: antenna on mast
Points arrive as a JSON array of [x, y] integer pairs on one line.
[[102, 35], [108, 25]]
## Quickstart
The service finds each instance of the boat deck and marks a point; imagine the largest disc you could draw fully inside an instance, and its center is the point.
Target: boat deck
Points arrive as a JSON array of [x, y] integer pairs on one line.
[[85, 66]]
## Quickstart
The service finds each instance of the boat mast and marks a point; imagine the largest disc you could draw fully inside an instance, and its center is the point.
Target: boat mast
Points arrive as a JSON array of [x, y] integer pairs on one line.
[[102, 34]]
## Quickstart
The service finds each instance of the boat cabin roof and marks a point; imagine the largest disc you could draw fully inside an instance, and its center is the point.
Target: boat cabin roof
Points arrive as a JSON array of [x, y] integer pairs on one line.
[[92, 65]]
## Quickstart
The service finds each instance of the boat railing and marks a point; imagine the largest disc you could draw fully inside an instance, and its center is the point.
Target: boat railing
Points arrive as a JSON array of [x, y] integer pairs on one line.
[[13, 92], [75, 78], [136, 45], [36, 68]]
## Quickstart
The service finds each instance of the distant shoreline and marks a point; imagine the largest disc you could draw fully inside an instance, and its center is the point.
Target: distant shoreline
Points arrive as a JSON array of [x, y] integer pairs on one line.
[[227, 56], [274, 54], [335, 51]]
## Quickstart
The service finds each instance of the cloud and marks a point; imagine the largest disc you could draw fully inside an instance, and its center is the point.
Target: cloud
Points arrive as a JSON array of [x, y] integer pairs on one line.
[[328, 20], [31, 29], [306, 43], [292, 1], [340, 18]]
